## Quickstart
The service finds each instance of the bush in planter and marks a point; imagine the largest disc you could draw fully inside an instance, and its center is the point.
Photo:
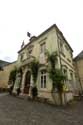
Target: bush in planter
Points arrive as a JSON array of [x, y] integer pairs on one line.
[[34, 92], [34, 71], [18, 91]]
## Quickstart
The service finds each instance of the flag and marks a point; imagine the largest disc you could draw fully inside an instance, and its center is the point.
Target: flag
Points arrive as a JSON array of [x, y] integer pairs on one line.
[[22, 44], [28, 34]]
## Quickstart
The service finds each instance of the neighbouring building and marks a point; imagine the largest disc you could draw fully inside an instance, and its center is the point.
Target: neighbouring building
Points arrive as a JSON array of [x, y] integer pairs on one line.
[[4, 74], [2, 64], [52, 40], [78, 64]]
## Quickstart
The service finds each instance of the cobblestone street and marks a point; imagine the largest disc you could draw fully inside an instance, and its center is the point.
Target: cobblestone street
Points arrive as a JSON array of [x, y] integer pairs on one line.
[[16, 111]]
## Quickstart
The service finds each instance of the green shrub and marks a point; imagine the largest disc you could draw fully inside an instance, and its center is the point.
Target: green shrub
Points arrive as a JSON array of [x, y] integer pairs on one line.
[[34, 92]]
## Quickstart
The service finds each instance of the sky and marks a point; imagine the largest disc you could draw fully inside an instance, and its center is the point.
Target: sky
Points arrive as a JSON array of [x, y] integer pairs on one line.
[[17, 17]]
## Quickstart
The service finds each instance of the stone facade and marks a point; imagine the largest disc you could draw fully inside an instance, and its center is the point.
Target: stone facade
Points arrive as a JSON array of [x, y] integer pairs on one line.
[[4, 74]]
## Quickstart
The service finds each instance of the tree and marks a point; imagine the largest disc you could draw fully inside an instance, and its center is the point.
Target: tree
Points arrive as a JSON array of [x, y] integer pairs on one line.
[[12, 78], [55, 74], [57, 78], [13, 75], [52, 58]]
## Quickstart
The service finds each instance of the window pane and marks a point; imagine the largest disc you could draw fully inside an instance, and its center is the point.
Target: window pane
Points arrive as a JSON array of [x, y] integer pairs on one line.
[[44, 81], [41, 81]]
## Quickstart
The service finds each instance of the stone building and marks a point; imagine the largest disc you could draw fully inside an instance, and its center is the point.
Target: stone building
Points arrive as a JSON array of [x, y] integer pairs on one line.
[[4, 74], [78, 64], [52, 40]]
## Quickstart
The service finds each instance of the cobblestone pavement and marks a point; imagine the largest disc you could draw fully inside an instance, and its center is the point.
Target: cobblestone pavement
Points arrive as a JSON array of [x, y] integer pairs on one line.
[[16, 111]]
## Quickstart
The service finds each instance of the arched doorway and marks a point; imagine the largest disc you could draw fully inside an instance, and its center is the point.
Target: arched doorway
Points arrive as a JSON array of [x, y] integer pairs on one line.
[[27, 82]]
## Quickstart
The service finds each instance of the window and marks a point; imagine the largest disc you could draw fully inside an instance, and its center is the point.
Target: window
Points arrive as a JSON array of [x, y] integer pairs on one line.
[[67, 48], [22, 57], [71, 54], [61, 47], [30, 51], [42, 47], [43, 79], [65, 72], [71, 75]]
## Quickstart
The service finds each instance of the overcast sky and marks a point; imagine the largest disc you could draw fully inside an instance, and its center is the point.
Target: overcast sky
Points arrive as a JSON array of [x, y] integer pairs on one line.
[[17, 17]]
